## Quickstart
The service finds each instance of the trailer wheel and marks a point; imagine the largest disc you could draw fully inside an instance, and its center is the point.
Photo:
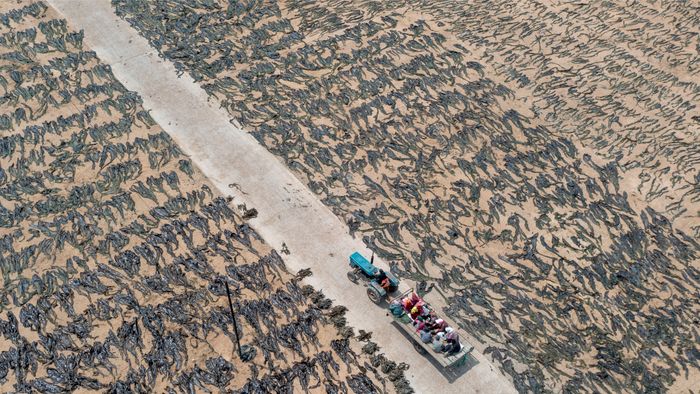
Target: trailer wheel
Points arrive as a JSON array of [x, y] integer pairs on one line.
[[374, 295], [420, 349], [353, 277]]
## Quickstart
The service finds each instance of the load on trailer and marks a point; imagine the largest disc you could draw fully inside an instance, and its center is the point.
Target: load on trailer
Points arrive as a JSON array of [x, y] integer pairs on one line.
[[431, 334]]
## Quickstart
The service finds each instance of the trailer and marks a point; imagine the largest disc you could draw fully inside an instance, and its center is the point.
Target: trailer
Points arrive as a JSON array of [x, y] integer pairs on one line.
[[405, 324]]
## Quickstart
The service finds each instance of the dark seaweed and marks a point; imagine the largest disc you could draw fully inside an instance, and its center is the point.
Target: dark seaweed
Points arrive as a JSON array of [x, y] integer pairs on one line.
[[491, 142]]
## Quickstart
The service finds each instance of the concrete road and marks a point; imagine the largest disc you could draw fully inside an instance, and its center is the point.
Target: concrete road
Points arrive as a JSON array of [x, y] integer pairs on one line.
[[288, 211]]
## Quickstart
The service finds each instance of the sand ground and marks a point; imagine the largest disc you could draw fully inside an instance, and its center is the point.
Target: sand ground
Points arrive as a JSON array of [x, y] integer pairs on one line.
[[534, 163], [115, 247], [237, 165]]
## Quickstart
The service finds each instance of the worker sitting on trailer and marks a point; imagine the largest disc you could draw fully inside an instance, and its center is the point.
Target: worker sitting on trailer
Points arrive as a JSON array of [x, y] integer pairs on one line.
[[439, 326], [429, 319], [452, 345], [416, 311], [410, 301], [383, 280], [425, 321]]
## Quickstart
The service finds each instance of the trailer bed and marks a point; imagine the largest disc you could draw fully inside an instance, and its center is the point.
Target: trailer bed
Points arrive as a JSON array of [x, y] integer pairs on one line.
[[404, 323]]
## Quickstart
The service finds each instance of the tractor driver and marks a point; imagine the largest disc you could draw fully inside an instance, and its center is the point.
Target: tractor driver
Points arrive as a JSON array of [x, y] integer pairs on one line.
[[383, 280]]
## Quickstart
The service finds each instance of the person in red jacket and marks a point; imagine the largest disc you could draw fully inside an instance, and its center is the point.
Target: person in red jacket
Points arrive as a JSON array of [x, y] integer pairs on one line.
[[383, 280]]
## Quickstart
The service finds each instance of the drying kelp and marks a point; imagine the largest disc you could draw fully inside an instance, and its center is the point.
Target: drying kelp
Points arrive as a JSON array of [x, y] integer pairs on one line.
[[535, 163], [115, 253], [622, 77]]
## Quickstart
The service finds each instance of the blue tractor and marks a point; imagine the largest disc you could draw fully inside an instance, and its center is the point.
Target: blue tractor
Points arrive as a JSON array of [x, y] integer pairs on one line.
[[379, 283]]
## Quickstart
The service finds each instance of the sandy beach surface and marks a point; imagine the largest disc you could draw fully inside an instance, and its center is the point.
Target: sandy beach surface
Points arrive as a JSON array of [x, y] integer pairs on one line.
[[532, 166], [115, 251]]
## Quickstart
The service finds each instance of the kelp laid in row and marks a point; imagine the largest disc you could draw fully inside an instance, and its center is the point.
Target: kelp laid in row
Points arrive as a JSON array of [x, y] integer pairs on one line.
[[115, 253], [533, 163]]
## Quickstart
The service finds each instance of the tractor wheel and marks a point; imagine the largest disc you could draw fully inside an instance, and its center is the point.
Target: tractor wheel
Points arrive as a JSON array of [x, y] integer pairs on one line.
[[353, 277], [374, 295]]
